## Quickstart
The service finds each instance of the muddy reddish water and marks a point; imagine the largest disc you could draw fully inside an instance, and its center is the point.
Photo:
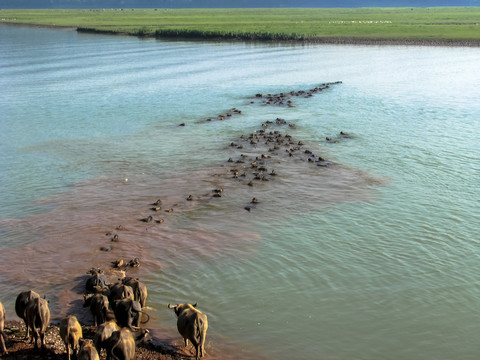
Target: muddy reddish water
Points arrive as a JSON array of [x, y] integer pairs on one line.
[[77, 232]]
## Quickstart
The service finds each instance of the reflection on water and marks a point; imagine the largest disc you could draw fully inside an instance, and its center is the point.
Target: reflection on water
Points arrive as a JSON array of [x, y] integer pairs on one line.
[[373, 256]]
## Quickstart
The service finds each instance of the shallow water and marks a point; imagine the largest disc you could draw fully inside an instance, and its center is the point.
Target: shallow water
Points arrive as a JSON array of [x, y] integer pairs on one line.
[[372, 257]]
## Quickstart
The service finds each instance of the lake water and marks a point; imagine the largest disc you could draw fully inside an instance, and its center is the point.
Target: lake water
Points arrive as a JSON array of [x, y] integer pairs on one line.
[[376, 256]]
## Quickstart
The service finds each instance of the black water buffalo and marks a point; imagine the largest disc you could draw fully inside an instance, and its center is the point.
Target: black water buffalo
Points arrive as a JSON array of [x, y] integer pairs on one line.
[[192, 325], [38, 318], [21, 303], [98, 307], [121, 345], [71, 333], [3, 349], [127, 313], [87, 350], [119, 291], [104, 331], [139, 289], [97, 282]]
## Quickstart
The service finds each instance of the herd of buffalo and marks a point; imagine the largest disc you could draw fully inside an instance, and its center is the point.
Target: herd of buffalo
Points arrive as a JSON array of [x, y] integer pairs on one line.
[[116, 310]]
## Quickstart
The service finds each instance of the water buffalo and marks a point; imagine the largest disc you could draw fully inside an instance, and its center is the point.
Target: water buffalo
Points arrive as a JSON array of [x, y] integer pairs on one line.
[[142, 335], [71, 333], [139, 289], [3, 349], [98, 307], [87, 351], [192, 325], [23, 299], [104, 331], [97, 282], [127, 313], [119, 291], [38, 318], [121, 345]]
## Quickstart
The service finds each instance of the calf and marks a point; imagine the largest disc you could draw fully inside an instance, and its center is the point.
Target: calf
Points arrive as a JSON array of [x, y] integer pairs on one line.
[[3, 349], [71, 333], [21, 303], [38, 318], [192, 325]]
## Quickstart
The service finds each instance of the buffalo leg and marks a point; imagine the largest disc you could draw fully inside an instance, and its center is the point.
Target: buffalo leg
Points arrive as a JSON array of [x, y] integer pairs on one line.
[[42, 338], [3, 348], [35, 338], [27, 331], [136, 320]]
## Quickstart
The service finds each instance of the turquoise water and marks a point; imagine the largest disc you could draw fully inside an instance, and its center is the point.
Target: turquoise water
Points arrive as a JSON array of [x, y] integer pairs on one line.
[[375, 257]]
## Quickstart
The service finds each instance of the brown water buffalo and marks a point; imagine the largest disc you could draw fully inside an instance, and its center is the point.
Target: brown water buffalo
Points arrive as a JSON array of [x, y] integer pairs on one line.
[[87, 351], [23, 299], [119, 291], [104, 331], [98, 307], [139, 289], [127, 313], [192, 325], [38, 318], [3, 349], [121, 345], [71, 333], [142, 335], [97, 282]]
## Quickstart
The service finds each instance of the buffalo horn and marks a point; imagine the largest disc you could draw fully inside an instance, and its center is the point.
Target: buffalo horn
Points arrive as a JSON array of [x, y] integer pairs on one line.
[[148, 318]]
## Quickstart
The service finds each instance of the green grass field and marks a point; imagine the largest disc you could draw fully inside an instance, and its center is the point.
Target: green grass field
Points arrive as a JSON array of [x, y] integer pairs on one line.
[[396, 24]]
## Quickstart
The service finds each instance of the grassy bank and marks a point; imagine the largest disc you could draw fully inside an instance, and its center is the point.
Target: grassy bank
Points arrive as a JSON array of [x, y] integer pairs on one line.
[[438, 24]]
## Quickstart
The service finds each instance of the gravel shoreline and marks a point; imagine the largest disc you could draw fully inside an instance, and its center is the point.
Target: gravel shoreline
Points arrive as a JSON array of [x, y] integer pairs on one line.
[[18, 348]]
